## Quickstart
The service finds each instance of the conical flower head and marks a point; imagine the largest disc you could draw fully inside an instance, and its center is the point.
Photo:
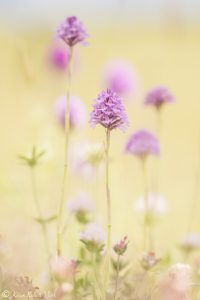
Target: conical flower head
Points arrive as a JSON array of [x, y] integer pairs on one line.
[[109, 111], [72, 31]]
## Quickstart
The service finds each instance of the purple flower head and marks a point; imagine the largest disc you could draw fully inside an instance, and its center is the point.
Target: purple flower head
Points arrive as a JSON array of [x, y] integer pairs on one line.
[[58, 57], [77, 113], [72, 31], [142, 143], [158, 96], [109, 111], [120, 78]]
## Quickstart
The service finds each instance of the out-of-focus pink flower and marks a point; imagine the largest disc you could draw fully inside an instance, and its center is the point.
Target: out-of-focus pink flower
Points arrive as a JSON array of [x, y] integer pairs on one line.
[[149, 260], [58, 57], [121, 246], [62, 268], [180, 275], [63, 289], [72, 31], [93, 237], [176, 285], [142, 143], [120, 77], [156, 204], [77, 112], [158, 96]]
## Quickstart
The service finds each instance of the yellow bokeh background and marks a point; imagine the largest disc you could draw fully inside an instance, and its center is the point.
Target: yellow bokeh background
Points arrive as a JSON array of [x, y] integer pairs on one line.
[[28, 89]]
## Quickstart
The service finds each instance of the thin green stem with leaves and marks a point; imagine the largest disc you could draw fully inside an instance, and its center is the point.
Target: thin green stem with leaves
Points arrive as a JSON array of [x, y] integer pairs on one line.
[[39, 211], [117, 278], [67, 132]]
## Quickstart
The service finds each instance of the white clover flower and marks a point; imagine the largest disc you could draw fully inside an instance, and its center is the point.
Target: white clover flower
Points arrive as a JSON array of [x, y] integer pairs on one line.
[[81, 206], [157, 204], [93, 237], [191, 241], [81, 203], [85, 158]]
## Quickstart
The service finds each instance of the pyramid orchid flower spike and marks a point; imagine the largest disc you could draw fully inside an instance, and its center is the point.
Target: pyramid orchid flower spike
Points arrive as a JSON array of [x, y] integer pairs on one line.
[[108, 111], [72, 31], [158, 96]]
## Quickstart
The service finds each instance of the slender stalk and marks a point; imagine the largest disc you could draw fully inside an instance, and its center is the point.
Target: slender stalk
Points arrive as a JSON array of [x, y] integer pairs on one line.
[[97, 288], [117, 278], [148, 237], [94, 275], [196, 194], [108, 205], [39, 211], [67, 131], [66, 225], [96, 177]]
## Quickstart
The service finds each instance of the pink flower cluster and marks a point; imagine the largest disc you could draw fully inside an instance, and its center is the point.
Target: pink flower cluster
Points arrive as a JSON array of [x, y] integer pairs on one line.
[[72, 31], [109, 111]]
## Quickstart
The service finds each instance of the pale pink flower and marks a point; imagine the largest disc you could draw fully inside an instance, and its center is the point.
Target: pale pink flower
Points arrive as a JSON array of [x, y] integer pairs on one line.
[[120, 77], [58, 57], [180, 275], [176, 285], [149, 260], [62, 268], [77, 111]]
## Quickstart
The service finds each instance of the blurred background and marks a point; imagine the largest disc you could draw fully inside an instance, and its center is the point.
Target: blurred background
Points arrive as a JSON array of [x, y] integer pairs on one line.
[[160, 40]]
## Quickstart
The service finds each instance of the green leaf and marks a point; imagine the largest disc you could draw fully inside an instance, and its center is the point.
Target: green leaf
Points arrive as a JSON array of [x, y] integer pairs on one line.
[[45, 220]]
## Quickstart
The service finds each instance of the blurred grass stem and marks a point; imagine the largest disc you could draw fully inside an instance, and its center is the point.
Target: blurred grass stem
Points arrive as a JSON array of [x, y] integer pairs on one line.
[[67, 131], [39, 212], [148, 237]]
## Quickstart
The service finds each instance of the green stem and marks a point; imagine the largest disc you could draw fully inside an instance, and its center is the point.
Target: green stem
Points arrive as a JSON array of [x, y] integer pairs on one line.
[[108, 205], [148, 237], [94, 274], [195, 197], [67, 131], [39, 211], [117, 278]]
